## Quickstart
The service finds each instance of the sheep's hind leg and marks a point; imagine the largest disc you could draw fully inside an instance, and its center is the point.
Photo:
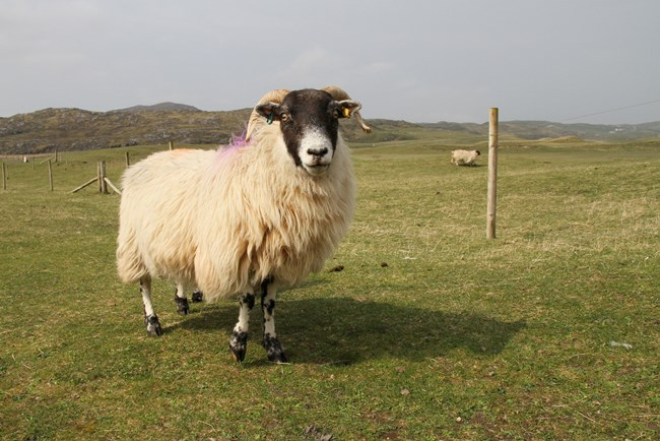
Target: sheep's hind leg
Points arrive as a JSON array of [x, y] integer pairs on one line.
[[197, 296], [181, 300], [271, 343], [150, 317], [239, 336]]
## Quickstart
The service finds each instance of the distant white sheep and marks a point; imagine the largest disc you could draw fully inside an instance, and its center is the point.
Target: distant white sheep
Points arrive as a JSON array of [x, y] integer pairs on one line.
[[251, 218], [464, 157]]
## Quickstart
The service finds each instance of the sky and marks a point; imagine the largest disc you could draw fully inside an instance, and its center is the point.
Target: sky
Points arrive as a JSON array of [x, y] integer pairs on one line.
[[572, 61]]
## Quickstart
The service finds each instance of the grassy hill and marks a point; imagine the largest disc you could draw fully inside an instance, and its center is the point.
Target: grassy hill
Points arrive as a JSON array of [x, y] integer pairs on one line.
[[431, 331], [161, 107], [546, 129], [75, 129]]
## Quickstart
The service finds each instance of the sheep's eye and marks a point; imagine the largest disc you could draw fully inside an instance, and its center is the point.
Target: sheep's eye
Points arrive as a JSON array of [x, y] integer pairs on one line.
[[284, 117], [335, 114]]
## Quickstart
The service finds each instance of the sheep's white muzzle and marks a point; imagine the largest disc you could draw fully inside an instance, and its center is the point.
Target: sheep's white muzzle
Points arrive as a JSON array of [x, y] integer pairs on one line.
[[315, 152], [316, 170]]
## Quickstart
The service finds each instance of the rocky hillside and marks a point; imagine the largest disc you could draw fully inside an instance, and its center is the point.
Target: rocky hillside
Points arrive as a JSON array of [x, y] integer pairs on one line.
[[161, 107], [75, 129], [544, 129]]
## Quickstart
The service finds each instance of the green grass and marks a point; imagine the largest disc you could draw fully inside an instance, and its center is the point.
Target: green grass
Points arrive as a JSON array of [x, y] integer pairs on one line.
[[431, 331]]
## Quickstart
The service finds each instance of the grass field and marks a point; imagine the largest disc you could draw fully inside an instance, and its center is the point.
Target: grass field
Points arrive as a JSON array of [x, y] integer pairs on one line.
[[431, 331]]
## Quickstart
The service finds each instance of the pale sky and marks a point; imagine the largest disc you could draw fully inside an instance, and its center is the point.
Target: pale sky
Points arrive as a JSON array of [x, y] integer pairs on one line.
[[413, 60]]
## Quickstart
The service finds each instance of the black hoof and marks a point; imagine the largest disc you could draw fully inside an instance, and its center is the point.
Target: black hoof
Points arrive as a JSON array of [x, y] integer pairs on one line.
[[181, 305], [279, 358], [153, 326], [238, 345], [197, 297], [274, 350]]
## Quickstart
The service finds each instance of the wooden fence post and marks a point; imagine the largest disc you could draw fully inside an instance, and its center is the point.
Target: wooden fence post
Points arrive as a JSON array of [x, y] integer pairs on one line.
[[4, 177], [111, 185], [128, 159], [50, 175], [90, 182], [492, 173], [101, 177], [171, 145]]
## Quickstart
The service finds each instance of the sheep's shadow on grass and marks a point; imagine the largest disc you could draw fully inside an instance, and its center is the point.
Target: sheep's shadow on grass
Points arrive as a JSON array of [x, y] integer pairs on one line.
[[346, 331], [472, 166]]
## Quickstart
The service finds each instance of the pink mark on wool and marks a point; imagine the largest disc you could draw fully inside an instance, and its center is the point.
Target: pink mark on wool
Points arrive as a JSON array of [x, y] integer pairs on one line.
[[236, 144], [239, 141]]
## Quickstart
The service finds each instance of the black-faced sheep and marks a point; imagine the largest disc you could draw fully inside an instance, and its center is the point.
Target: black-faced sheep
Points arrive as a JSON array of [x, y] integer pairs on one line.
[[249, 219], [464, 157]]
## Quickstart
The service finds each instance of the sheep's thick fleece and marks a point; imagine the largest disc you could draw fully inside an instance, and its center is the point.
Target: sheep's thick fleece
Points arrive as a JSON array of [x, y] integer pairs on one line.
[[464, 157], [227, 220]]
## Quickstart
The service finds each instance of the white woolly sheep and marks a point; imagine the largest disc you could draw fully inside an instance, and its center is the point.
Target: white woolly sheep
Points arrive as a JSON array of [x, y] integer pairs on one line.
[[464, 157], [249, 219]]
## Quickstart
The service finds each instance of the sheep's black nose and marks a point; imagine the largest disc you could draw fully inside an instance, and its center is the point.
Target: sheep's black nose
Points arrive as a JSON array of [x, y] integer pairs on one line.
[[317, 152]]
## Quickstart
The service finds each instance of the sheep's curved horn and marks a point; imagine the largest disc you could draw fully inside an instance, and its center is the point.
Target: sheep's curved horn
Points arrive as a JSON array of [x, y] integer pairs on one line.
[[340, 94]]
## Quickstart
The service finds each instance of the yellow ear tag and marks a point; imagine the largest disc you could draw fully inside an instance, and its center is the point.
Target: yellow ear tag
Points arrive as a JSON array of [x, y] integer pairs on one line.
[[347, 112]]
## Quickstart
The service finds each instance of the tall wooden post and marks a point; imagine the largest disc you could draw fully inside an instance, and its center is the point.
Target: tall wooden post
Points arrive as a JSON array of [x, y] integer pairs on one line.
[[50, 174], [101, 177], [171, 144], [4, 177], [128, 159], [492, 173]]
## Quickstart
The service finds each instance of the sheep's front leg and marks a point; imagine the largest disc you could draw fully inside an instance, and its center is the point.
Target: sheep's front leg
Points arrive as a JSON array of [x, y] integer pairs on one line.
[[150, 318], [271, 343], [239, 336]]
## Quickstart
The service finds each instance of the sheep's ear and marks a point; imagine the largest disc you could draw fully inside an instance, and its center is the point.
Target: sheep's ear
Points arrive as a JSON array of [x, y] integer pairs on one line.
[[348, 107], [270, 111]]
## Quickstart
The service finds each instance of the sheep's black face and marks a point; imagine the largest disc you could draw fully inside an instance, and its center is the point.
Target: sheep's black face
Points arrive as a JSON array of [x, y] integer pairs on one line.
[[309, 120]]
